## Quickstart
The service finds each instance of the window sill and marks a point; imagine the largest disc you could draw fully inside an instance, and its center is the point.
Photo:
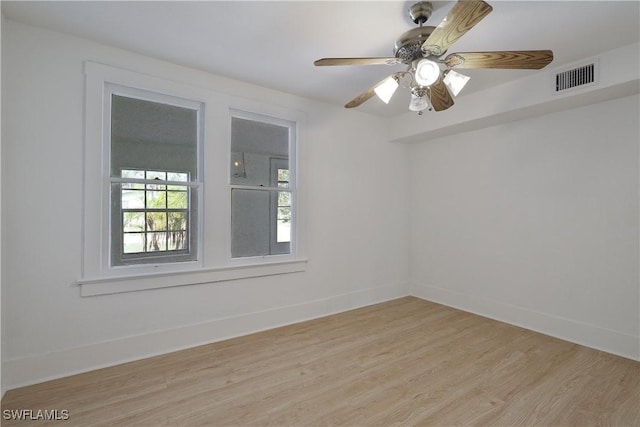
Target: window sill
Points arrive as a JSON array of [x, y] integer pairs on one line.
[[114, 285]]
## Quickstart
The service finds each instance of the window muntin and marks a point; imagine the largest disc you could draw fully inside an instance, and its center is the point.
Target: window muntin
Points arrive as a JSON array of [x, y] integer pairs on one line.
[[154, 187]]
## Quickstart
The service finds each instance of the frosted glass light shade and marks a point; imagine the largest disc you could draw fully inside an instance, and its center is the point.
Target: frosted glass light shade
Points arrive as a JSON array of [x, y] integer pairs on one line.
[[455, 81], [386, 89], [427, 72], [418, 103]]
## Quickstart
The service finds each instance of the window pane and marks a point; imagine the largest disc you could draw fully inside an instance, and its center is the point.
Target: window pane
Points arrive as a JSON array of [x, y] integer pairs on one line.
[[156, 221], [176, 176], [284, 214], [177, 241], [136, 174], [133, 243], [152, 136], [284, 231], [177, 199], [132, 199], [284, 198], [133, 221], [250, 226], [283, 175], [156, 242], [253, 144], [177, 221], [156, 199], [157, 175]]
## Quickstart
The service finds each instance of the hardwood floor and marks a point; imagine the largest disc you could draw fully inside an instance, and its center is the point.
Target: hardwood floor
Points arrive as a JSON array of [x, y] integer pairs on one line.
[[403, 362]]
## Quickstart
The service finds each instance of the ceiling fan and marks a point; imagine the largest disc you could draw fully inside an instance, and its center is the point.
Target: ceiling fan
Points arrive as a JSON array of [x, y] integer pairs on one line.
[[421, 49]]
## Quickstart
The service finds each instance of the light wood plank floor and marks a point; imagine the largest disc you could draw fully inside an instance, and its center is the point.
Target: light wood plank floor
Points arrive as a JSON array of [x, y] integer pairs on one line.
[[403, 362]]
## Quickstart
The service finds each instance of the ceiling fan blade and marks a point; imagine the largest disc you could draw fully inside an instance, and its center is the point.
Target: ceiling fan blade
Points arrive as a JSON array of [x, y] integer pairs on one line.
[[364, 96], [460, 19], [439, 95], [360, 99], [356, 61], [506, 59]]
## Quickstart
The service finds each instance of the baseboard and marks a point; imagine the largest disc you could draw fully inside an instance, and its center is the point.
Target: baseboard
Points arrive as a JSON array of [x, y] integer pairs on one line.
[[39, 368], [610, 341]]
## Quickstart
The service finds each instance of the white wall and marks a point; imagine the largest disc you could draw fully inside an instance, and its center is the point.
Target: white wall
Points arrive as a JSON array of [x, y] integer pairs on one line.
[[535, 223], [355, 188]]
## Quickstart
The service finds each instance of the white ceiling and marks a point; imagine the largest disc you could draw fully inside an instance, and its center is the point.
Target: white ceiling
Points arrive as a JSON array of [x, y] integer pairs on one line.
[[274, 44]]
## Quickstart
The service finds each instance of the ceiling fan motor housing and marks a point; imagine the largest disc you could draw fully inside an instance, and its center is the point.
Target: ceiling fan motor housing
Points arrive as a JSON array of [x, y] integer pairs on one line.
[[409, 46]]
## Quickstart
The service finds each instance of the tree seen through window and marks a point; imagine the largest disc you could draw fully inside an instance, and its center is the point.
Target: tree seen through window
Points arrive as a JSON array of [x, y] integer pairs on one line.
[[154, 215]]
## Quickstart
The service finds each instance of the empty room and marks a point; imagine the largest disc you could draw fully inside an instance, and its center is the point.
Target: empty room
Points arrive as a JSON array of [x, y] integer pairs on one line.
[[304, 213]]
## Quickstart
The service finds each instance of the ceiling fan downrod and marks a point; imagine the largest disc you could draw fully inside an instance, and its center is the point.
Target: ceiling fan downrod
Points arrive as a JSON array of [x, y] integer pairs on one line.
[[420, 12]]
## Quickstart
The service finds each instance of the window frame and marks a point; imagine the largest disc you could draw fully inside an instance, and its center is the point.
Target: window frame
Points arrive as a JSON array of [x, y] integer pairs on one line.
[[214, 263]]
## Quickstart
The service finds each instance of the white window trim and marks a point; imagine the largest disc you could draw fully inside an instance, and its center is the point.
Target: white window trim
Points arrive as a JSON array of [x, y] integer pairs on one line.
[[167, 280], [214, 262]]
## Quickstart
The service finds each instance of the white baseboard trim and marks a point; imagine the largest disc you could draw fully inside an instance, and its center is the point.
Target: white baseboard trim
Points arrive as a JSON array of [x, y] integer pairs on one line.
[[44, 367], [607, 340]]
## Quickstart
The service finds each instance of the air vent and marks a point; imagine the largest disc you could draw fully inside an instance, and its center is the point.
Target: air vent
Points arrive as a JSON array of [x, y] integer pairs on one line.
[[577, 77]]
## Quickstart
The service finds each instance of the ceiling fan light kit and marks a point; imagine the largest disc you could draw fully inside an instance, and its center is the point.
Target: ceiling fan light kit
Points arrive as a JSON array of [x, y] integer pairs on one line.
[[420, 50], [386, 89], [426, 72], [418, 103], [455, 81]]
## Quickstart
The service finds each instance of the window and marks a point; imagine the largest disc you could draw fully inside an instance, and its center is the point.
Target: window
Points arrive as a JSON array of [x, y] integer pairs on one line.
[[153, 164], [163, 204], [262, 186]]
